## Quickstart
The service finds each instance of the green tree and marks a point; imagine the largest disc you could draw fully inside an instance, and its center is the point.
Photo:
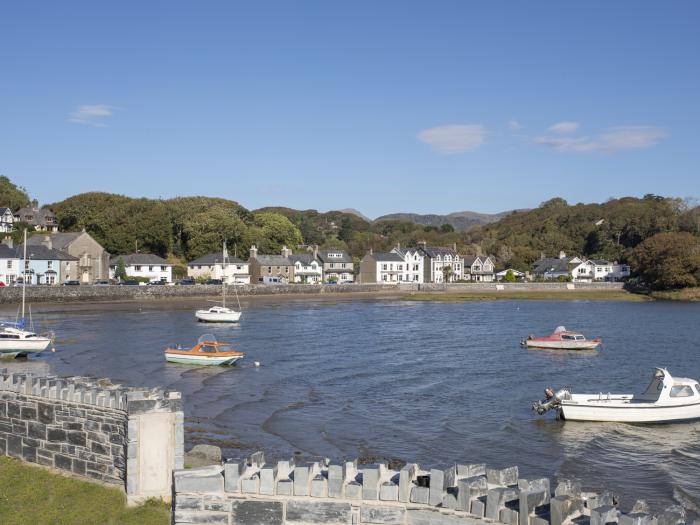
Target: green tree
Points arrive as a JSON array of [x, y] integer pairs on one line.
[[447, 273], [11, 195], [668, 260], [120, 271], [509, 277], [447, 228], [272, 231], [205, 232]]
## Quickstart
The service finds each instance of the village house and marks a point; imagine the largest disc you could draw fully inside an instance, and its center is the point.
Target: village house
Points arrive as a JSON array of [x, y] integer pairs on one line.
[[414, 259], [268, 269], [609, 271], [441, 262], [382, 267], [7, 220], [519, 276], [210, 266], [45, 265], [144, 265], [337, 266], [307, 268], [479, 269], [9, 263], [92, 259], [42, 219]]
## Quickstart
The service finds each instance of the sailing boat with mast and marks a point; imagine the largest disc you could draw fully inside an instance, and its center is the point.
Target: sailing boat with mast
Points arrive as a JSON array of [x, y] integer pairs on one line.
[[15, 341], [221, 314]]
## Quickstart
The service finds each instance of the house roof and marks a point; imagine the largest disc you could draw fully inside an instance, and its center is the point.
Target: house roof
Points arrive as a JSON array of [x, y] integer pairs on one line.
[[552, 264], [4, 210], [303, 258], [59, 241], [468, 261], [214, 258], [386, 257], [139, 258], [8, 253], [515, 272], [273, 260], [39, 215], [435, 251], [599, 261], [42, 253], [403, 251], [344, 256]]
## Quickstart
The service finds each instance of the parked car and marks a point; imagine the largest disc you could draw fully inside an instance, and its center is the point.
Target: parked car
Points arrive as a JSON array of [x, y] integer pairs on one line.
[[102, 282], [71, 282], [129, 282], [156, 282], [186, 281], [214, 281]]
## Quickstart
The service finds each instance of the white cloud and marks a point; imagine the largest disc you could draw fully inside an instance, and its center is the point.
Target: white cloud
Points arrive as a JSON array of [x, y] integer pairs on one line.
[[454, 138], [92, 115], [514, 125], [564, 127], [614, 139]]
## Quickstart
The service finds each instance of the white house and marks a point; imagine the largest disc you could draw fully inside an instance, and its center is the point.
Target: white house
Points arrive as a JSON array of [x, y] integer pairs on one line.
[[414, 260], [479, 269], [9, 263], [382, 267], [143, 265], [436, 262], [609, 271], [519, 276], [210, 266], [337, 265], [7, 220], [583, 272], [307, 268]]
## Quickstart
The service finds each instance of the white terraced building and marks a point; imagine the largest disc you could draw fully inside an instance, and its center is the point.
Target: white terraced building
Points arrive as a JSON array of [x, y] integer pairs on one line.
[[437, 260], [211, 266], [414, 271], [146, 265]]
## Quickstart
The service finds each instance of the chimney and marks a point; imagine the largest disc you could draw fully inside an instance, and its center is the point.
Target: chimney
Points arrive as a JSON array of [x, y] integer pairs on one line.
[[286, 252], [35, 204], [422, 244], [46, 241], [398, 245], [315, 251], [253, 252], [562, 254], [7, 241], [454, 247]]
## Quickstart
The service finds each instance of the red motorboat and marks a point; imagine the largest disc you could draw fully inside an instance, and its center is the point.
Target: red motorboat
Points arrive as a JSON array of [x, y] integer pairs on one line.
[[562, 339]]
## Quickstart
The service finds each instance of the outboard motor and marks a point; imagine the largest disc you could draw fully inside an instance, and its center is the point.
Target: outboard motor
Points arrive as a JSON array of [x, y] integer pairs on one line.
[[552, 400]]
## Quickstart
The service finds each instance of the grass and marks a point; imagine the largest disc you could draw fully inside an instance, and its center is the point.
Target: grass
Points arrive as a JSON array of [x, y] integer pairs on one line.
[[34, 496], [686, 294], [548, 295]]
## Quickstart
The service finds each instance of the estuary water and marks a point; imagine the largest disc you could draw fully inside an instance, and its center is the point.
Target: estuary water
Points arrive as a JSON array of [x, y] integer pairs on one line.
[[420, 381]]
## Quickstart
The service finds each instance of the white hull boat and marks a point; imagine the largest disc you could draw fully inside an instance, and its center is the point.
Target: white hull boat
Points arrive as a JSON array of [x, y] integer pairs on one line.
[[218, 314], [15, 342], [666, 400], [208, 352]]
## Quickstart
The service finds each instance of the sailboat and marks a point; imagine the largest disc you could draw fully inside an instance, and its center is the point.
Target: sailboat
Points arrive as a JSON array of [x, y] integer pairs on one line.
[[15, 341], [221, 314]]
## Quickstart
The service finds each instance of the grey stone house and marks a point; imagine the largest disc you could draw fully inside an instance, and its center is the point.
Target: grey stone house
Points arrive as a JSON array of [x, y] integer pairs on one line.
[[92, 259], [271, 268], [337, 265], [42, 219]]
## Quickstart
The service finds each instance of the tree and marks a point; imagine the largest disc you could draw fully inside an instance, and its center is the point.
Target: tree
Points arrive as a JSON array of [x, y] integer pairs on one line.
[[509, 277], [668, 260], [272, 231], [505, 254], [11, 195], [447, 228], [120, 271], [447, 273], [206, 231]]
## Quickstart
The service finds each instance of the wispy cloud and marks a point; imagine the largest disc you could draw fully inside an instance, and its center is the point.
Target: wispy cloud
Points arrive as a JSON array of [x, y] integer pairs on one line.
[[514, 125], [92, 115], [615, 139], [564, 128], [454, 138]]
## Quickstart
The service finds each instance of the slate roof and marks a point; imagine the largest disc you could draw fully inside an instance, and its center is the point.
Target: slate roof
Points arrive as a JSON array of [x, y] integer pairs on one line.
[[40, 216], [273, 260], [600, 261], [387, 257], [468, 261], [434, 251], [139, 258], [304, 258], [551, 264], [42, 253], [344, 258], [213, 258], [4, 210], [59, 241], [8, 253]]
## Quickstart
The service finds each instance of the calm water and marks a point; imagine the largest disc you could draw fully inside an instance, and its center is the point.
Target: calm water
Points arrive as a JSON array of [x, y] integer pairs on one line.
[[419, 381]]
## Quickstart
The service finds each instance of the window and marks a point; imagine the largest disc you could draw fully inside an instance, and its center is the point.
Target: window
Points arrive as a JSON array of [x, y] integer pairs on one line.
[[697, 387], [150, 268], [568, 337], [49, 265], [162, 268], [681, 391], [384, 277], [9, 264], [384, 267]]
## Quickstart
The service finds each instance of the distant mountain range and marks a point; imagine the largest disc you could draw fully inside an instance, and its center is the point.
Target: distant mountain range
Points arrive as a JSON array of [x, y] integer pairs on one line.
[[461, 220]]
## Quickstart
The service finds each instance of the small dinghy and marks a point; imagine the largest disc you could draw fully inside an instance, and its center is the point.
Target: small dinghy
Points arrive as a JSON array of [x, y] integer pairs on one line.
[[667, 399], [207, 351], [562, 339]]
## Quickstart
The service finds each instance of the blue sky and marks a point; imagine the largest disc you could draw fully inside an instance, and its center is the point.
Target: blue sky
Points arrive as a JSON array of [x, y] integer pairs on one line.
[[381, 106]]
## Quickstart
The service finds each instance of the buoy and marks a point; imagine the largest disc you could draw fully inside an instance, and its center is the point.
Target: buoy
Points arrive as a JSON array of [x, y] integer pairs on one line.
[[256, 363]]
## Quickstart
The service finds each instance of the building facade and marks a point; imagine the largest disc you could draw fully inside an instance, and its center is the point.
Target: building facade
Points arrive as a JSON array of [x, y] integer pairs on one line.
[[9, 263], [441, 262], [337, 266], [210, 266], [92, 259], [144, 265], [7, 220], [45, 265], [414, 259], [479, 269], [382, 267], [307, 268], [42, 219], [266, 269]]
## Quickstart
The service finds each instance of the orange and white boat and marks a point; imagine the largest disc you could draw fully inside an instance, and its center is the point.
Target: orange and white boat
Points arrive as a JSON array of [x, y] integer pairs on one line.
[[207, 351], [562, 339]]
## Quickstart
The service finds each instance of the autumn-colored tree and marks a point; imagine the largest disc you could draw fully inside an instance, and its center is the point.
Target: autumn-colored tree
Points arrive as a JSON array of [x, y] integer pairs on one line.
[[668, 260]]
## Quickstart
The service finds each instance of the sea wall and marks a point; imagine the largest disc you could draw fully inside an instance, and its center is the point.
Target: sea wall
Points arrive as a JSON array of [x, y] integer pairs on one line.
[[251, 491], [92, 428], [37, 294]]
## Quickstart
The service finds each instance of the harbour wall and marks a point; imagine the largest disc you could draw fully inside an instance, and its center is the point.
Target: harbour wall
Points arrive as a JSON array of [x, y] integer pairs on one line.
[[131, 437], [37, 294]]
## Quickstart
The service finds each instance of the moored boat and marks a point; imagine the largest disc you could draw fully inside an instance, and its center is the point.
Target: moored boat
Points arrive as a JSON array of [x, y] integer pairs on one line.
[[218, 314], [207, 351], [16, 342], [562, 339], [667, 399]]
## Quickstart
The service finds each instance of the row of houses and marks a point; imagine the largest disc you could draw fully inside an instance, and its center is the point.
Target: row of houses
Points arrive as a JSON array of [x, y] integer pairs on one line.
[[579, 269], [42, 219]]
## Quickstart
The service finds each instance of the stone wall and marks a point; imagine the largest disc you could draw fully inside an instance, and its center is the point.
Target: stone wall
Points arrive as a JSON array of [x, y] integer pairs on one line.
[[251, 491], [467, 287], [92, 428]]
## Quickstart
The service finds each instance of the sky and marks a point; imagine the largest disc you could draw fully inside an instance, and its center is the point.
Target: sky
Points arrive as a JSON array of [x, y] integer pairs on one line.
[[391, 106]]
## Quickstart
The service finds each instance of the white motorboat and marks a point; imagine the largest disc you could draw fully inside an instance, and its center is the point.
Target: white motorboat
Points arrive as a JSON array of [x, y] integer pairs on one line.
[[16, 342], [221, 314], [667, 399]]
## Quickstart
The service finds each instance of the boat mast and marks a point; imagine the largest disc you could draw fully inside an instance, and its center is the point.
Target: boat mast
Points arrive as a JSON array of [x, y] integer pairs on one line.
[[24, 274], [223, 275]]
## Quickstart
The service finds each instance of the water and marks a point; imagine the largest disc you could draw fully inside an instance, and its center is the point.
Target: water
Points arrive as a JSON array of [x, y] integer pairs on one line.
[[425, 382]]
